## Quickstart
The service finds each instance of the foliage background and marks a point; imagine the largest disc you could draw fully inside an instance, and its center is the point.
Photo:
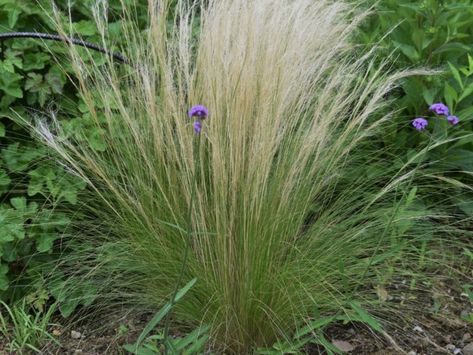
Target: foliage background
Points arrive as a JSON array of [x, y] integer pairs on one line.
[[433, 34], [37, 198]]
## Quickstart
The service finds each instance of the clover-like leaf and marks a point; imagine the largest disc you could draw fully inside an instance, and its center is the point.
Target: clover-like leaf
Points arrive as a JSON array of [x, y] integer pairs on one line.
[[17, 158], [55, 79], [45, 242], [12, 223], [5, 181], [35, 61], [37, 85], [4, 282], [10, 83]]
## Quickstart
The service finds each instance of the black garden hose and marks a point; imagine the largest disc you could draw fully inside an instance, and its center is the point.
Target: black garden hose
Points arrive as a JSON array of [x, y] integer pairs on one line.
[[11, 35]]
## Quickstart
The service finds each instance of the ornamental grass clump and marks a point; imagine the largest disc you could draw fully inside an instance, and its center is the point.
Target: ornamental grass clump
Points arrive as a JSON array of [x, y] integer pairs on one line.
[[285, 222]]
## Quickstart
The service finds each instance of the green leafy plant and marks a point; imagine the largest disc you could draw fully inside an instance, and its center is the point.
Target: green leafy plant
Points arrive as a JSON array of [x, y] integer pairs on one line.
[[25, 329], [32, 190], [32, 81], [432, 34], [192, 343], [313, 332]]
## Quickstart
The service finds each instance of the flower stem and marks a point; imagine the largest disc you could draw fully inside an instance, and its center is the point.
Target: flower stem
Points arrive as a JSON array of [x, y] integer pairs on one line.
[[189, 233]]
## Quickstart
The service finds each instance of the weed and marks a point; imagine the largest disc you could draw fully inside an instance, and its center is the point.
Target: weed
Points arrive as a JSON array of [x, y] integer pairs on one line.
[[25, 329]]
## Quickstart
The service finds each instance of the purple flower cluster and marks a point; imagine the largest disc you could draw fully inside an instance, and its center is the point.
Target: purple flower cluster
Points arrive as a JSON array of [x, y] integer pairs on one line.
[[200, 112], [420, 123], [453, 120], [439, 109]]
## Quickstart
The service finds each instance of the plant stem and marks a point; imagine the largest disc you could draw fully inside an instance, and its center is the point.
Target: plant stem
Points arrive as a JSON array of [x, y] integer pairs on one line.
[[189, 233]]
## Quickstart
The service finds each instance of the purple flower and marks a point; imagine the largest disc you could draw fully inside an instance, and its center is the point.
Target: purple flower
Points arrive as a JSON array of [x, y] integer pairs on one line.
[[453, 120], [439, 109], [199, 111], [197, 126], [420, 123]]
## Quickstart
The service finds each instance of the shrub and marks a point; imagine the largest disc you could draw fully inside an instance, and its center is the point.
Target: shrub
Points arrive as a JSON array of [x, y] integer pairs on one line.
[[36, 196], [435, 34]]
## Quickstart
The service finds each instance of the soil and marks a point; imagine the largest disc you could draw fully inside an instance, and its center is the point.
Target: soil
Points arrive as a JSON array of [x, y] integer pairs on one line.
[[437, 325]]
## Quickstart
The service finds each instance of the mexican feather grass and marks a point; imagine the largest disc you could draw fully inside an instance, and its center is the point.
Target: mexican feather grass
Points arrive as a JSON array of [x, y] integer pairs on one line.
[[285, 223]]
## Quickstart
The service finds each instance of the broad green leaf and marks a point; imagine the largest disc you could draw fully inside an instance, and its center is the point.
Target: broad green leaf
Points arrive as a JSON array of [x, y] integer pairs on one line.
[[319, 324], [461, 158], [10, 84], [450, 95], [45, 242], [5, 181], [7, 66], [56, 80], [191, 338], [96, 140], [466, 114], [428, 96], [163, 312], [15, 58], [70, 195], [85, 28], [36, 84], [19, 203], [408, 50], [33, 82], [35, 61], [411, 196], [13, 15], [456, 74], [35, 184], [452, 47], [468, 253], [12, 223], [466, 92], [68, 306], [9, 252], [329, 347], [364, 317], [17, 158], [418, 38], [465, 203], [4, 282], [139, 351]]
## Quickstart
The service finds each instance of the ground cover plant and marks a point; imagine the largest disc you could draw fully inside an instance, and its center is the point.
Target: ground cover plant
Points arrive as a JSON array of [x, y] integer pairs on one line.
[[36, 195], [435, 34], [250, 168], [25, 329]]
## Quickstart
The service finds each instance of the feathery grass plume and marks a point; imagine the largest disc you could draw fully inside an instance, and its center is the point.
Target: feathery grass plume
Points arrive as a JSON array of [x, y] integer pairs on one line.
[[283, 223]]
